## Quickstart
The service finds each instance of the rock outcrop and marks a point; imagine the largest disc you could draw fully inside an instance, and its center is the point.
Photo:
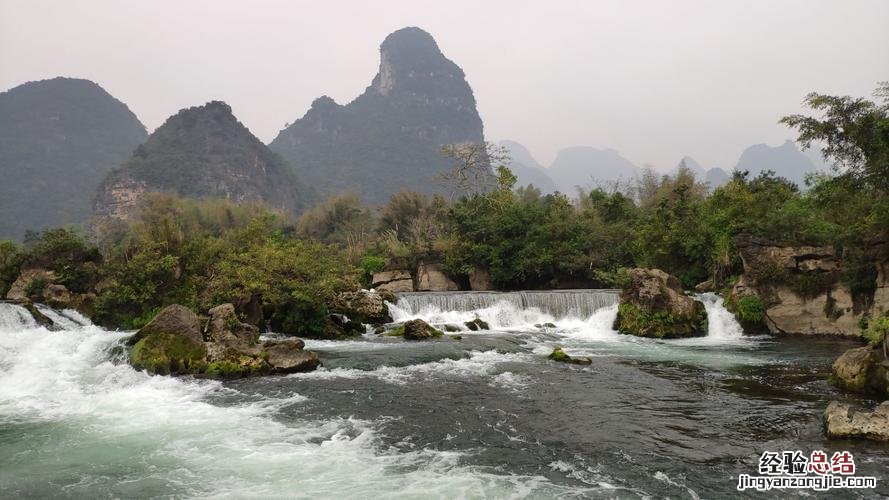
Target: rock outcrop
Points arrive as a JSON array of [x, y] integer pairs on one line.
[[842, 422], [654, 305], [394, 281], [58, 139], [27, 282], [366, 306], [418, 102], [862, 370], [174, 343], [201, 152], [801, 290], [480, 279], [431, 278]]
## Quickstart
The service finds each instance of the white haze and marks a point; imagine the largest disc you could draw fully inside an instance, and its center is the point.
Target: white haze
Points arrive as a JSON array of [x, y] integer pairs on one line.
[[655, 80]]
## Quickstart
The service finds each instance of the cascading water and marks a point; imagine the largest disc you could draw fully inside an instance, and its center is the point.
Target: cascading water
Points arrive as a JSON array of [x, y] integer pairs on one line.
[[484, 416], [15, 317], [502, 309]]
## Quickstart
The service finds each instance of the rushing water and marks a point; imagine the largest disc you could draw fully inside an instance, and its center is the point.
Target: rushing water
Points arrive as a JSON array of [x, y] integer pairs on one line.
[[485, 416]]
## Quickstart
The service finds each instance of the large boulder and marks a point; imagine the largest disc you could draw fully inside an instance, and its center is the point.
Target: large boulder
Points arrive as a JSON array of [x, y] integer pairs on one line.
[[366, 306], [654, 305], [841, 421], [862, 370], [431, 278], [415, 329], [396, 281], [288, 356], [173, 343]]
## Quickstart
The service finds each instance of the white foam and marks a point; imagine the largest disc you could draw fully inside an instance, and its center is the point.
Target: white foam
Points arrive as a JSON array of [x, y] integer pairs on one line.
[[478, 364], [166, 432]]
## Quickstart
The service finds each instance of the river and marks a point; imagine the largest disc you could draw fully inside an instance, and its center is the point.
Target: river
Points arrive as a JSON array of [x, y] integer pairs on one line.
[[484, 416]]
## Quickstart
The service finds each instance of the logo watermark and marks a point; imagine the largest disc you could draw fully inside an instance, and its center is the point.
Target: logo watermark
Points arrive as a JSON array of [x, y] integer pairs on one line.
[[794, 470]]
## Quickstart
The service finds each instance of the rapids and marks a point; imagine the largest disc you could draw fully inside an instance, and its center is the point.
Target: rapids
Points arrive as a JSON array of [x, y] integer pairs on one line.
[[485, 416]]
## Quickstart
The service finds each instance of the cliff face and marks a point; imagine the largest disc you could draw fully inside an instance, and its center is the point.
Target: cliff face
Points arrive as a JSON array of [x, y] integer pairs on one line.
[[58, 139], [807, 290], [389, 137], [202, 152]]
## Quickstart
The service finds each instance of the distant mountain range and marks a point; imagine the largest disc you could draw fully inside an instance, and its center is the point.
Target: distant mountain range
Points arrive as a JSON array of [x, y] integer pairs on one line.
[[390, 137], [202, 152], [58, 139], [66, 142], [588, 167]]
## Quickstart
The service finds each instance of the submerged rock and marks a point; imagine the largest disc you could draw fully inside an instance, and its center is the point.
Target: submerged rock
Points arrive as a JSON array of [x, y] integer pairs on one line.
[[840, 421], [654, 305], [862, 370], [562, 357], [366, 306], [477, 324], [173, 344], [417, 329]]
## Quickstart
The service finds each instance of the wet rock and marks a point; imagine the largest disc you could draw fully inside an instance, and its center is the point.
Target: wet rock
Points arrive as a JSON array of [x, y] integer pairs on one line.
[[417, 329], [366, 306], [394, 281], [562, 357], [654, 305], [171, 344], [288, 356], [451, 328], [545, 325], [862, 370], [841, 421], [38, 316], [431, 278], [477, 324]]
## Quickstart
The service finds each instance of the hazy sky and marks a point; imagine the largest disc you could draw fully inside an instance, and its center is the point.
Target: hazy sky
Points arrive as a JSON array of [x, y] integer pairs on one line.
[[653, 79]]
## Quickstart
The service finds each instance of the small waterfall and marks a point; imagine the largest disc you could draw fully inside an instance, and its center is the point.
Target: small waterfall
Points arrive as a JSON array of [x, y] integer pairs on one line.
[[14, 317], [66, 319], [503, 309], [721, 324]]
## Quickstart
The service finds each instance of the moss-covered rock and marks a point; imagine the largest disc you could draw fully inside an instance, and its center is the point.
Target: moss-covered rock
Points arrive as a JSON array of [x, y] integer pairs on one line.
[[653, 305], [562, 357], [415, 329], [862, 370], [174, 344], [169, 354], [477, 324], [170, 344]]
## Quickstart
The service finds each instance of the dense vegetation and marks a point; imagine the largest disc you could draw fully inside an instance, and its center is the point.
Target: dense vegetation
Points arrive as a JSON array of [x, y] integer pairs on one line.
[[202, 253]]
